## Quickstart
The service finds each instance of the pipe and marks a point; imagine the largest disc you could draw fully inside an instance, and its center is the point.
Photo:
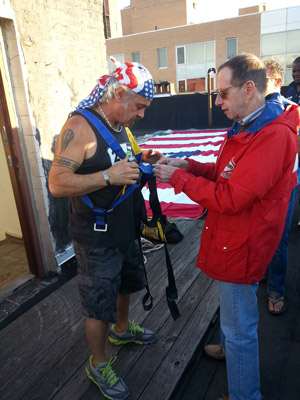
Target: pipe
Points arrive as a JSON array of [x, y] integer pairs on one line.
[[209, 96]]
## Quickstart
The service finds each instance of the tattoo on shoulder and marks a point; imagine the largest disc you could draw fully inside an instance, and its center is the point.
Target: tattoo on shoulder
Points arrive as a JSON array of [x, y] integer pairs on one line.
[[66, 137], [66, 162]]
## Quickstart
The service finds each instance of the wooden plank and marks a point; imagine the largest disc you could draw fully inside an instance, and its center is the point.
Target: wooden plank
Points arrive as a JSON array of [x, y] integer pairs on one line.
[[44, 309], [144, 370], [48, 380], [44, 360], [186, 259], [53, 318], [174, 364], [156, 265], [77, 388], [32, 357], [138, 365], [58, 374], [53, 366]]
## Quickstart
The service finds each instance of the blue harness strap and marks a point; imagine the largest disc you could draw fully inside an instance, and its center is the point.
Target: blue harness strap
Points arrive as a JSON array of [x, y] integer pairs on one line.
[[100, 214], [101, 128]]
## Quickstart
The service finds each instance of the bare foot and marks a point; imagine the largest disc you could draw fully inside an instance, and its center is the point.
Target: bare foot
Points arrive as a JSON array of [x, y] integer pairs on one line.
[[276, 303]]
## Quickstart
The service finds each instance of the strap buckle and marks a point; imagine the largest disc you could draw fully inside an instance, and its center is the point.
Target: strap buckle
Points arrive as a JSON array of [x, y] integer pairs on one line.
[[100, 229], [100, 216]]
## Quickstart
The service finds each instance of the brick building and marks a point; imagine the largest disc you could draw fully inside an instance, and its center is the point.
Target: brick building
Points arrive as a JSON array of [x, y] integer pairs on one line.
[[165, 36]]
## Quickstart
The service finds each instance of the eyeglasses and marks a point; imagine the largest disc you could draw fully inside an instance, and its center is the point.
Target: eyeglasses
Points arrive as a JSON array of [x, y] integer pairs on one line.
[[223, 92]]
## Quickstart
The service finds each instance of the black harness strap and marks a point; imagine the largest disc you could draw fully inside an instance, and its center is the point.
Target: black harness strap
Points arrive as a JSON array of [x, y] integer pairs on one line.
[[171, 290]]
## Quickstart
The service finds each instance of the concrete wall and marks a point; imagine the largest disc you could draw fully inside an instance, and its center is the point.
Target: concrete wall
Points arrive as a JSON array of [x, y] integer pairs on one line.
[[54, 52]]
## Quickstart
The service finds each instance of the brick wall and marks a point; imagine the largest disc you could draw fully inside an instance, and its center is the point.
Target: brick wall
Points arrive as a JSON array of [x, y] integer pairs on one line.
[[246, 29], [149, 15]]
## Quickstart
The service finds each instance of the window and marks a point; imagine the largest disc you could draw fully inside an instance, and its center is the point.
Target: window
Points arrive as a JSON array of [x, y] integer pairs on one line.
[[111, 65], [272, 44], [136, 56], [210, 52], [282, 47], [231, 48], [293, 42], [180, 55], [162, 58], [193, 62], [195, 53]]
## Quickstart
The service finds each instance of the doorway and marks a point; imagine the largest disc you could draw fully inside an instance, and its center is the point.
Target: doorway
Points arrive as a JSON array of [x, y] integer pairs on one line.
[[19, 244], [13, 259]]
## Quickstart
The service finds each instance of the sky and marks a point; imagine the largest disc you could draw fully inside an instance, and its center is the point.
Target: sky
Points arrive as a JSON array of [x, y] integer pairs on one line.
[[222, 9]]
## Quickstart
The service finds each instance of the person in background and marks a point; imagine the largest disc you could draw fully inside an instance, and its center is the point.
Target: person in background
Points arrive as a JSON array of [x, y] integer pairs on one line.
[[109, 261], [293, 92], [277, 268], [246, 193]]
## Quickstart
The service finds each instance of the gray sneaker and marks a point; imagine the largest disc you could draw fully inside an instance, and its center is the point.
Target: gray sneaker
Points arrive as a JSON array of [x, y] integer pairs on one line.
[[135, 334], [111, 386]]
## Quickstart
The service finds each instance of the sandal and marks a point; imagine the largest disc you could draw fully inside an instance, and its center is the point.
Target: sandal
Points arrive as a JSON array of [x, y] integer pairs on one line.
[[275, 298]]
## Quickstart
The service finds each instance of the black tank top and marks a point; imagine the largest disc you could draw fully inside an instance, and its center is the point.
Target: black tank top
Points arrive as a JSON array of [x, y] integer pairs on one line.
[[120, 222]]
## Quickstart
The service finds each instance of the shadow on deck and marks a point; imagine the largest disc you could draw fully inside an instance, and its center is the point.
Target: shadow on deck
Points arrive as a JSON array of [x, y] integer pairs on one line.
[[279, 344], [44, 352]]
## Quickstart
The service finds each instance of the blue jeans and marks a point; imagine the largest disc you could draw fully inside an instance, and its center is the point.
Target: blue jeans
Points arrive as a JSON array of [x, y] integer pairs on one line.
[[277, 268], [239, 322]]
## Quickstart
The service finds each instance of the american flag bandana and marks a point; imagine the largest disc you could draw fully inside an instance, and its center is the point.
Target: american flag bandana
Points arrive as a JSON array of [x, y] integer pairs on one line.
[[133, 75]]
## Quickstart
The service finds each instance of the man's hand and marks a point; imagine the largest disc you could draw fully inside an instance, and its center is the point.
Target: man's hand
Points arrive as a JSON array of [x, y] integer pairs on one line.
[[174, 162], [151, 156], [123, 173], [164, 172]]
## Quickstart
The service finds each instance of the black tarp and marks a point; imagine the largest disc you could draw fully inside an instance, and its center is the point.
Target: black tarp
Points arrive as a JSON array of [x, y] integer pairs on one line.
[[181, 112]]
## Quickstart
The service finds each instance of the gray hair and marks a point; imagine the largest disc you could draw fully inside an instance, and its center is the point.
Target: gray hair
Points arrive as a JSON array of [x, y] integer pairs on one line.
[[111, 90]]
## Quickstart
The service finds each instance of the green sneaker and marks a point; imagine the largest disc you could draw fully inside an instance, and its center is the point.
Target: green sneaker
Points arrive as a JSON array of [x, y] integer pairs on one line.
[[111, 386], [134, 334]]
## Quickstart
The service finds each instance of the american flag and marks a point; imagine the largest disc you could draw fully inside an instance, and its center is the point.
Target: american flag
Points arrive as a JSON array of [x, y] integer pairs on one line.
[[199, 145]]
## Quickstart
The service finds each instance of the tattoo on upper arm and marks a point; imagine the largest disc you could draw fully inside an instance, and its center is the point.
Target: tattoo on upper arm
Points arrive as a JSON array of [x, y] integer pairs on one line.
[[66, 137], [65, 162]]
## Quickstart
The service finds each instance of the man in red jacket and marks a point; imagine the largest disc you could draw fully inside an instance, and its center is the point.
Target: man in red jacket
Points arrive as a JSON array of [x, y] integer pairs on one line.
[[246, 193]]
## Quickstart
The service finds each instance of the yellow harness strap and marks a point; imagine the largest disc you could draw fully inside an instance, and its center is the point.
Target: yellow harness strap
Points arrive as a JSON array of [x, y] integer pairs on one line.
[[136, 150]]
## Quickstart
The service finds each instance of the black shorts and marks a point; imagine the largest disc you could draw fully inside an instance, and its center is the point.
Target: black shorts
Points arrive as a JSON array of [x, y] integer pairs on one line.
[[103, 272]]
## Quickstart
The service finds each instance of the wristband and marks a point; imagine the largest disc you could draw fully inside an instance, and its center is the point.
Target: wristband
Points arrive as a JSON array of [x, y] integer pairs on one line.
[[106, 178]]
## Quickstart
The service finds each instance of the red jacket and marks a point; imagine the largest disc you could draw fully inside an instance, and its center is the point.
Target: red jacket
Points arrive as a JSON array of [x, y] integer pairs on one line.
[[246, 193]]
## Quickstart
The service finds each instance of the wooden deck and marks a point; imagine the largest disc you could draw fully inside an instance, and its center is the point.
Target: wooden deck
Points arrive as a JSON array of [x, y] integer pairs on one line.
[[44, 352]]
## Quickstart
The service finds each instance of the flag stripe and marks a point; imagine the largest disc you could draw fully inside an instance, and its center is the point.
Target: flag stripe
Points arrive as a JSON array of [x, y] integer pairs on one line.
[[194, 145], [202, 146]]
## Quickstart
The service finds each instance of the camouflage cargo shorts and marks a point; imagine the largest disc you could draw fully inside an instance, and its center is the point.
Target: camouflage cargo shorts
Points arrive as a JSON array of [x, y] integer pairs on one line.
[[103, 272]]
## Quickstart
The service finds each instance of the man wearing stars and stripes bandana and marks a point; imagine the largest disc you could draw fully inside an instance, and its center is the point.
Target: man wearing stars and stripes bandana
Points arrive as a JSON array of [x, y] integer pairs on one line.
[[109, 261]]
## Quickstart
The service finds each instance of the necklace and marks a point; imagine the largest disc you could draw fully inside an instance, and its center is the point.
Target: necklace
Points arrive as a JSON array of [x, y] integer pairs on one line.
[[106, 119]]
